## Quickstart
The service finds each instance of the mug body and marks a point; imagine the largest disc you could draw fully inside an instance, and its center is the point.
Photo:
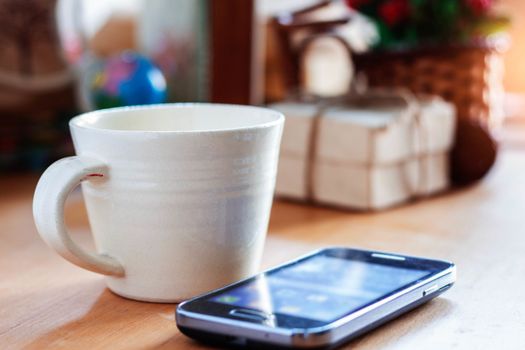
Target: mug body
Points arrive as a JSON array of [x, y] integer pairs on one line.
[[186, 202]]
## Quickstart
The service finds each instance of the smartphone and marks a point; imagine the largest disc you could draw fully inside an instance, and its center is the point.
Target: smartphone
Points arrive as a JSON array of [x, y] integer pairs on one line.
[[320, 300]]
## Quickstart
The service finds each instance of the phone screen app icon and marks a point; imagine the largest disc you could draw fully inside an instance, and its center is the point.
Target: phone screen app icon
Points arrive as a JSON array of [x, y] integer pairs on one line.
[[227, 299]]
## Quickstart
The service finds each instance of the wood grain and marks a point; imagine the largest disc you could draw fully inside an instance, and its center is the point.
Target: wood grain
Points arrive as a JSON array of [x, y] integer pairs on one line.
[[45, 302]]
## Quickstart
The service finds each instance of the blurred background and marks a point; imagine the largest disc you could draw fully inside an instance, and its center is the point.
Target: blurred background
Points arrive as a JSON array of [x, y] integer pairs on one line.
[[63, 57]]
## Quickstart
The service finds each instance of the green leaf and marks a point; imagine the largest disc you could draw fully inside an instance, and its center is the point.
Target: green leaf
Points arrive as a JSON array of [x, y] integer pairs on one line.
[[386, 38]]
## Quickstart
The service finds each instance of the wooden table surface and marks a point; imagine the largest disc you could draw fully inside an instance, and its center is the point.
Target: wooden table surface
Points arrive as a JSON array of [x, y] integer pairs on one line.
[[45, 302]]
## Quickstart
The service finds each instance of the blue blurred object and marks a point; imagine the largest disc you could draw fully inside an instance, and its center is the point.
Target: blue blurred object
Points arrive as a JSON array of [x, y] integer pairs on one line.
[[126, 79]]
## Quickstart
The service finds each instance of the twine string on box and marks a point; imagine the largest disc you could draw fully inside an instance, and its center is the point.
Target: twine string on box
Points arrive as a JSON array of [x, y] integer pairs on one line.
[[411, 116]]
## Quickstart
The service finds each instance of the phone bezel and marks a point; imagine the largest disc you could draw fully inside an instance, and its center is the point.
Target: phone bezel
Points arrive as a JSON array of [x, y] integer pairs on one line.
[[202, 304]]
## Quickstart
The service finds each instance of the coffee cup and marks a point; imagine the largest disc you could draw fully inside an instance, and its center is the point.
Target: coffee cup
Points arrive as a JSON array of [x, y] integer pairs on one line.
[[178, 196]]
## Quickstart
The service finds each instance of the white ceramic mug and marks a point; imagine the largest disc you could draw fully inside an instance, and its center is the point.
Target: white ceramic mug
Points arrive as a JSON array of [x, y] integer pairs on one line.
[[178, 195]]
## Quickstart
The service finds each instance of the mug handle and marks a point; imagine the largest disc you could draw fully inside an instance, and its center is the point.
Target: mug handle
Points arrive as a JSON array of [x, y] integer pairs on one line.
[[49, 200]]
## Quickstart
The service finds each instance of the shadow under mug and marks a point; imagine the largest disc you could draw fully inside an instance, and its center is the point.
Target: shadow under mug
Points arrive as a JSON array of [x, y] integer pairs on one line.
[[178, 196]]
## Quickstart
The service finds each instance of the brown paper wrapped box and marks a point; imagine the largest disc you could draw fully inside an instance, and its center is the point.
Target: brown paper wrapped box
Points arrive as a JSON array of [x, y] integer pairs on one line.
[[368, 154]]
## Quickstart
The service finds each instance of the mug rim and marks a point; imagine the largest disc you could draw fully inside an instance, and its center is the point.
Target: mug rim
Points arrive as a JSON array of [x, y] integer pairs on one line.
[[75, 121]]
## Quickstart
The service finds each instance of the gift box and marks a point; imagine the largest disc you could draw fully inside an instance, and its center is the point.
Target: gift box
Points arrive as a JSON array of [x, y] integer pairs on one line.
[[368, 152]]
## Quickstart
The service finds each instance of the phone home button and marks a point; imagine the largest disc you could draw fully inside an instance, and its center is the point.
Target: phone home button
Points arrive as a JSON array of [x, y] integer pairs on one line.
[[248, 314]]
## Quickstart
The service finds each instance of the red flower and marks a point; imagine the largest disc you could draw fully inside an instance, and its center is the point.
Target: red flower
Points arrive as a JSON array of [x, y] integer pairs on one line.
[[356, 4], [394, 11], [479, 6]]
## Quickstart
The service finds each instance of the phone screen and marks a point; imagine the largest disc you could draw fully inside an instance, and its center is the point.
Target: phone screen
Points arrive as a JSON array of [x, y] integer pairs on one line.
[[321, 288]]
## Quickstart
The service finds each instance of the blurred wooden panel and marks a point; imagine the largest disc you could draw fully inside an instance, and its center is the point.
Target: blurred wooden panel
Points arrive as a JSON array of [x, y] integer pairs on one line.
[[231, 36]]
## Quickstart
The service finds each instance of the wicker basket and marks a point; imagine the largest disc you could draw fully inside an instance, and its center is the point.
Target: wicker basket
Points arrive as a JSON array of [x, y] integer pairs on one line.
[[468, 76]]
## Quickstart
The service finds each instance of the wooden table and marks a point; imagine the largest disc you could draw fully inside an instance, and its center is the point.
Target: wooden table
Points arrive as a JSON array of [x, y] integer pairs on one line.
[[47, 302]]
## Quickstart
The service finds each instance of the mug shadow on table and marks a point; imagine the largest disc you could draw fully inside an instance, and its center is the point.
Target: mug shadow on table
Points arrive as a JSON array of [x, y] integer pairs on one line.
[[110, 322]]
